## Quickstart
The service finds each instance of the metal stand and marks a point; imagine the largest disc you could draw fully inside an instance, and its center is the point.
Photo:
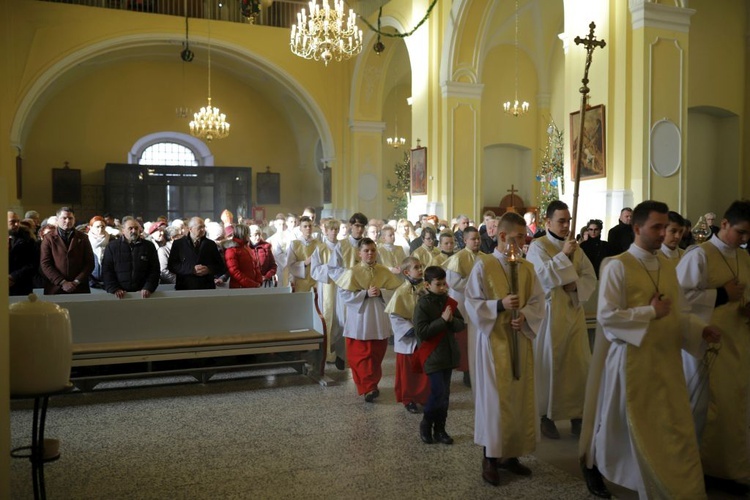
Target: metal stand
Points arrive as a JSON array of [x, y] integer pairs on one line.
[[35, 452]]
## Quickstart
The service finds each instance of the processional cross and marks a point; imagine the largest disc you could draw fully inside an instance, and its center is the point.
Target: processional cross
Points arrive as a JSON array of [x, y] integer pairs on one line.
[[590, 43]]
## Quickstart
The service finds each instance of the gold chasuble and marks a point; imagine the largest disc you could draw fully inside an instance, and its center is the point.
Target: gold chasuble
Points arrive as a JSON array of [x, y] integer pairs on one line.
[[516, 397], [724, 445], [362, 277], [657, 404], [301, 253]]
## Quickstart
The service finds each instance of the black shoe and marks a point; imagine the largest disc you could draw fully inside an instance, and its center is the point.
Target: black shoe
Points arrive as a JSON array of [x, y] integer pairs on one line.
[[575, 427], [467, 379], [340, 363], [514, 466], [370, 396], [412, 407], [549, 429], [595, 482], [489, 471], [441, 436], [425, 431]]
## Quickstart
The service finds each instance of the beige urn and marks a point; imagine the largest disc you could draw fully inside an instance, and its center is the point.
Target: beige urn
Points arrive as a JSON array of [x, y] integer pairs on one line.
[[41, 341]]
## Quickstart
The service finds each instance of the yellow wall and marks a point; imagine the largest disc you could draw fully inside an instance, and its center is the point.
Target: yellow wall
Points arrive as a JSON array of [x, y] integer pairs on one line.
[[118, 98]]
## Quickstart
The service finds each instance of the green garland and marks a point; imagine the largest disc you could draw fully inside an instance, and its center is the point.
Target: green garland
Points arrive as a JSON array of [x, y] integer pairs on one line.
[[397, 35]]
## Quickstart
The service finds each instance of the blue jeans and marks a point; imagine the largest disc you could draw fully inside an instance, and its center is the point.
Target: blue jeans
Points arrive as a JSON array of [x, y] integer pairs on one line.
[[440, 391]]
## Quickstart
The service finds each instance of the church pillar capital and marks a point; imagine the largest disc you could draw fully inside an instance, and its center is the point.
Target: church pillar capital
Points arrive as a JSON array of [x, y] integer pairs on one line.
[[565, 39], [366, 126], [647, 14], [462, 90]]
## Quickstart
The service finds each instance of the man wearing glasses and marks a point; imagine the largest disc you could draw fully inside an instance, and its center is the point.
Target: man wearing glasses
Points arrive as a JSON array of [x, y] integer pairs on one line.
[[594, 247]]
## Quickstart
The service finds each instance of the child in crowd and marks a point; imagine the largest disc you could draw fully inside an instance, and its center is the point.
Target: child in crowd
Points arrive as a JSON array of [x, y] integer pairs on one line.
[[446, 245], [366, 325], [436, 320], [411, 387], [390, 254], [427, 252]]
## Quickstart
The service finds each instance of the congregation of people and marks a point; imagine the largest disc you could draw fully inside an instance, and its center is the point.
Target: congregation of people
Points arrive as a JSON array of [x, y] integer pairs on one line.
[[660, 400]]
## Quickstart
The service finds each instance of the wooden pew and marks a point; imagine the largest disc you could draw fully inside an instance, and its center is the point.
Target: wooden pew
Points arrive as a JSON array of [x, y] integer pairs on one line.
[[189, 325]]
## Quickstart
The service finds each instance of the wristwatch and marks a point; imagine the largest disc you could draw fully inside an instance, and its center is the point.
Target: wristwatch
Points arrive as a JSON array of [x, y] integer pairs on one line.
[[76, 282]]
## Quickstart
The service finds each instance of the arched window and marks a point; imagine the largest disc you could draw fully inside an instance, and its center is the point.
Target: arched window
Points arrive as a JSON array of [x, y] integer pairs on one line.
[[170, 148], [168, 153]]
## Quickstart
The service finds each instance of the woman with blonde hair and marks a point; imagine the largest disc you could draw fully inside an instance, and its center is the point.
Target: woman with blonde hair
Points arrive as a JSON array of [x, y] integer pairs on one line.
[[405, 234]]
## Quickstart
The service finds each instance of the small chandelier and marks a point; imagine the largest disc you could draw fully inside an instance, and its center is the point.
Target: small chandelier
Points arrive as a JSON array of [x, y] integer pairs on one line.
[[209, 123], [323, 35], [516, 108], [396, 142]]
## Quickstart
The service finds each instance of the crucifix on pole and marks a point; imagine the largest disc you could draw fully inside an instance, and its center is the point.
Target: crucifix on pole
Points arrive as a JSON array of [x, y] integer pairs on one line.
[[590, 43]]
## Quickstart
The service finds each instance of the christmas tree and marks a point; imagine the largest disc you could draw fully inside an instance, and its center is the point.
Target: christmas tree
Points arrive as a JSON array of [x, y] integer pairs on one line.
[[551, 174], [400, 188]]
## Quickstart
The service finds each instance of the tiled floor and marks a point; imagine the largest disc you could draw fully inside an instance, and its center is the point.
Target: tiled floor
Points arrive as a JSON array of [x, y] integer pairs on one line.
[[273, 437]]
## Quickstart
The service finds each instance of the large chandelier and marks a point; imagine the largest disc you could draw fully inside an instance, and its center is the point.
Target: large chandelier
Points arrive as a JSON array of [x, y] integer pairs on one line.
[[516, 108], [323, 34], [209, 123]]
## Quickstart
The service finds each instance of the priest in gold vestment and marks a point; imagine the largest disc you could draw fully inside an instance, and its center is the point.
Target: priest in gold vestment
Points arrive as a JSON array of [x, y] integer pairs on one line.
[[644, 438]]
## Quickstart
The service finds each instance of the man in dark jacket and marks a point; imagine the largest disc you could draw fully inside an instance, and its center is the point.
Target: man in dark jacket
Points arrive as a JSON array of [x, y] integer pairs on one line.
[[130, 264], [23, 257], [621, 236], [489, 238], [67, 258], [195, 259]]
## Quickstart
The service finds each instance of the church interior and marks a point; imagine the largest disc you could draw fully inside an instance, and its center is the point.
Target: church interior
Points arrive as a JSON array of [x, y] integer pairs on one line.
[[91, 83]]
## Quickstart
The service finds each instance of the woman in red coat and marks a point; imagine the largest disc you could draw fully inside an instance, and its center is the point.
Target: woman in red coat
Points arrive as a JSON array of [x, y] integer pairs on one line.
[[242, 265]]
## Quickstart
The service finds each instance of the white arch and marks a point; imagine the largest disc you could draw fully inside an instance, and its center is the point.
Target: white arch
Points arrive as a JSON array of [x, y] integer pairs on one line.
[[205, 158], [28, 106]]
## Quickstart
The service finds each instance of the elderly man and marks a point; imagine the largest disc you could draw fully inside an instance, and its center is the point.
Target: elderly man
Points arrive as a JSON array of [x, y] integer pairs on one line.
[[23, 258], [462, 222], [195, 260], [489, 238], [130, 264], [67, 258]]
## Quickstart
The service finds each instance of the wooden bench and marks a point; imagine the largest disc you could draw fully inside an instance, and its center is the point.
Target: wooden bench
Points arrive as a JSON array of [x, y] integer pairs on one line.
[[192, 325]]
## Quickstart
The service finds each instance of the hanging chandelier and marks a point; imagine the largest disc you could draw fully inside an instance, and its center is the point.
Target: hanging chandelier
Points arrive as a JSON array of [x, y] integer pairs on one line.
[[324, 35], [396, 142], [209, 123], [516, 108]]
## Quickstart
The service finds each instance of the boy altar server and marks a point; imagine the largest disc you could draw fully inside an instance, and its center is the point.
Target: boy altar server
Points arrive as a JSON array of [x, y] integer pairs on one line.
[[411, 387], [505, 416], [366, 325]]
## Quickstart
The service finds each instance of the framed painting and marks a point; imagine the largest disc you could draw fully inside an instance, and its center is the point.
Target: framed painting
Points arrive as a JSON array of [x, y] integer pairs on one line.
[[268, 188], [418, 171], [594, 154], [66, 186], [259, 215]]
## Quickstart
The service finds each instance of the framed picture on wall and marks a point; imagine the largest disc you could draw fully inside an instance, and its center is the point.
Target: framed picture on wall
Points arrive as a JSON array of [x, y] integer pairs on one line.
[[66, 186], [268, 187], [259, 214], [594, 151], [418, 171]]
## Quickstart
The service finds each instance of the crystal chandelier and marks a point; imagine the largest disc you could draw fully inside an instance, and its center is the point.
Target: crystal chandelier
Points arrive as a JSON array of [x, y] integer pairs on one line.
[[323, 34], [209, 123], [516, 108], [396, 142]]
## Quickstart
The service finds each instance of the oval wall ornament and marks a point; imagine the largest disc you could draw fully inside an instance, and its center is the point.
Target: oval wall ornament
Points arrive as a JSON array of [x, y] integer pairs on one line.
[[666, 148]]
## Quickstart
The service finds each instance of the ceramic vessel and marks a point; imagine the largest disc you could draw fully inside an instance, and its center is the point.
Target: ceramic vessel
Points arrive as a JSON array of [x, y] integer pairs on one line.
[[41, 341]]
